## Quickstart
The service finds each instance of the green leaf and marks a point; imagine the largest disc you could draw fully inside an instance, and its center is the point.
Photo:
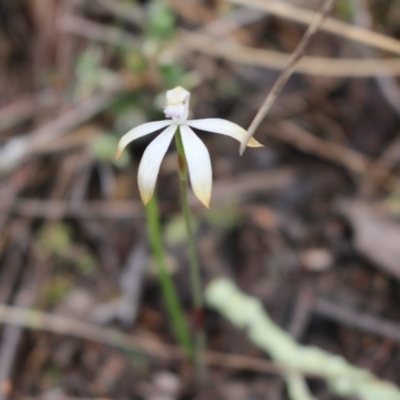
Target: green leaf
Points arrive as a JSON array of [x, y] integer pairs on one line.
[[161, 22]]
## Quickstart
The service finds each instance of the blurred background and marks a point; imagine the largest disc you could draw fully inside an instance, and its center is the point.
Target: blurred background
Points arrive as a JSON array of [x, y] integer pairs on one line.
[[309, 224]]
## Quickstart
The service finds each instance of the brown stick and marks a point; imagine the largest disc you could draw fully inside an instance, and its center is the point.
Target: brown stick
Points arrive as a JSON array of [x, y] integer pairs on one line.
[[352, 160], [288, 71], [100, 32], [242, 185], [303, 16], [67, 326], [17, 112], [353, 318], [308, 65], [9, 345], [17, 149]]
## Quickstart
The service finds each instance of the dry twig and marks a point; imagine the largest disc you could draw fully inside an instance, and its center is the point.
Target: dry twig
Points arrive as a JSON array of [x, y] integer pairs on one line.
[[67, 326], [99, 32], [309, 65], [332, 25], [124, 11], [17, 149], [288, 71], [242, 185], [10, 342], [25, 107], [355, 319], [350, 159]]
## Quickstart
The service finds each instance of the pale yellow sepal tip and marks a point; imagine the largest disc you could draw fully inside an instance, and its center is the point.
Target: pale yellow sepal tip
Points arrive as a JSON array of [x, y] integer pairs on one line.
[[118, 154], [204, 199], [254, 143], [205, 204], [146, 198]]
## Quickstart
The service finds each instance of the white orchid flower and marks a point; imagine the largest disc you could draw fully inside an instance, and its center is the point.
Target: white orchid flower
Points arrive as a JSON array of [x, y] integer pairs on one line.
[[197, 156]]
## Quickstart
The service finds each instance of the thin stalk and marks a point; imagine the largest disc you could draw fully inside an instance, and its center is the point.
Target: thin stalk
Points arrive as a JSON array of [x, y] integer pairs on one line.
[[170, 295], [198, 303], [293, 61]]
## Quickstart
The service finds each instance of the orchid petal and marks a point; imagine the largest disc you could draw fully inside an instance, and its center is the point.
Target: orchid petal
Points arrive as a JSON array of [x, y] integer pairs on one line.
[[223, 127], [138, 132], [151, 161], [199, 164]]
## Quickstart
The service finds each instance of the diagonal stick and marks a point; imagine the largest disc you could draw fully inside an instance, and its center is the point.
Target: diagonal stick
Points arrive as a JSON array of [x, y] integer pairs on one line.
[[288, 71]]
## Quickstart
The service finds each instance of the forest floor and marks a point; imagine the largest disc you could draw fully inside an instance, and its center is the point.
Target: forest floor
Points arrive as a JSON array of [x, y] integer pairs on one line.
[[308, 224]]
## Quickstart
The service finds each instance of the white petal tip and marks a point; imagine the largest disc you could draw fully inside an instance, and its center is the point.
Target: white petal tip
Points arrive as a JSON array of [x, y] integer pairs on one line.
[[199, 165]]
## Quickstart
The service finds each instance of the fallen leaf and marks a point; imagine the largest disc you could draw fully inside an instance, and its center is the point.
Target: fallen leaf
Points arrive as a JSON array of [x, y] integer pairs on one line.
[[376, 234]]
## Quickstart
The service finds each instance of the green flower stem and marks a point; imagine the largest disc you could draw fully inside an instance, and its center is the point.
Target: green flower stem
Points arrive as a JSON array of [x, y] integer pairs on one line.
[[173, 305], [198, 303]]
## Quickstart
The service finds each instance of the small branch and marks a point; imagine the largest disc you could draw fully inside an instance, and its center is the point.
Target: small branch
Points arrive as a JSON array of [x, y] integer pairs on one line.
[[356, 319], [10, 343], [286, 74], [58, 209], [31, 319], [308, 65], [18, 148], [354, 161], [247, 312], [235, 189], [124, 11], [331, 25], [15, 113], [99, 32]]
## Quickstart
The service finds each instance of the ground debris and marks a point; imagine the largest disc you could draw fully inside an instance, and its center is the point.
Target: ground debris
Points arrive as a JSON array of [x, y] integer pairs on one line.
[[376, 234]]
